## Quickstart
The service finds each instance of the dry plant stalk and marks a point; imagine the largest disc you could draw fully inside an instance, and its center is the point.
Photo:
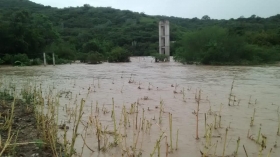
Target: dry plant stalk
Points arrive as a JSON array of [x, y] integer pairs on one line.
[[157, 145], [260, 151], [98, 132], [268, 155], [149, 87], [175, 90], [142, 140], [198, 98], [8, 141], [46, 119], [208, 136], [166, 152], [216, 148], [253, 118], [184, 95], [249, 100], [224, 149], [143, 119], [135, 144], [177, 139], [236, 151], [84, 140], [259, 135], [230, 94], [170, 127], [159, 150], [47, 123], [160, 111], [114, 119], [278, 130], [245, 151], [205, 124], [136, 117], [9, 118], [215, 123], [76, 126], [220, 120]]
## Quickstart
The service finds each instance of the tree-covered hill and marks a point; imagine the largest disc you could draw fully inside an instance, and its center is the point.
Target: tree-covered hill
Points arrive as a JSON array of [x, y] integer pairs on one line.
[[75, 32]]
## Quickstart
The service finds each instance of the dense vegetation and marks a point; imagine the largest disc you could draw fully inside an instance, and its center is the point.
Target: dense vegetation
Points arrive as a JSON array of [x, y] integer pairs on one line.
[[96, 34], [218, 46]]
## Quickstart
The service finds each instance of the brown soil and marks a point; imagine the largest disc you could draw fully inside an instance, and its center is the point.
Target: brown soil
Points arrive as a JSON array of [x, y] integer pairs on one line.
[[25, 124]]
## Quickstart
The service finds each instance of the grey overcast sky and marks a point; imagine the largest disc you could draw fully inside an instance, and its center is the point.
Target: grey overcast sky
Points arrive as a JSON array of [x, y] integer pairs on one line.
[[217, 9]]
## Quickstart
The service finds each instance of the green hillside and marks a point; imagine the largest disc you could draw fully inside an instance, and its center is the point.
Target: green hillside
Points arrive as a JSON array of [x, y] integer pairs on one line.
[[75, 32]]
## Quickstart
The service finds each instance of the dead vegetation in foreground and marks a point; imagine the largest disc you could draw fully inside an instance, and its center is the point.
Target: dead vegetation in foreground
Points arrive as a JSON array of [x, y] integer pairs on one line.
[[30, 125]]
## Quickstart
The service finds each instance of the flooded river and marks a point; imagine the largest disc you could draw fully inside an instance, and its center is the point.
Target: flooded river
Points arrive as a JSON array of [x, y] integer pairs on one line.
[[254, 88]]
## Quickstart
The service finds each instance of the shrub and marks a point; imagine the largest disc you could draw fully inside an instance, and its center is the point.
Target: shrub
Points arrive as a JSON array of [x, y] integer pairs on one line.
[[5, 95], [119, 54], [36, 61], [94, 58], [82, 57], [7, 59], [20, 59], [58, 60], [159, 57], [62, 50], [1, 61], [62, 61]]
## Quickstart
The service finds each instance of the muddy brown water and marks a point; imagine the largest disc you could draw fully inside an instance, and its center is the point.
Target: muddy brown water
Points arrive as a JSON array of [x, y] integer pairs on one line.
[[261, 83]]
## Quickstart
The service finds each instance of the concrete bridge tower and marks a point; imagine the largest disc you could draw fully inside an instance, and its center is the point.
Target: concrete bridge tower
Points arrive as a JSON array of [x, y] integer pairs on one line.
[[164, 38]]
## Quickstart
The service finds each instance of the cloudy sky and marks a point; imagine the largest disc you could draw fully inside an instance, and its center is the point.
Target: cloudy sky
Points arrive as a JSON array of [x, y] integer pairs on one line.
[[218, 9]]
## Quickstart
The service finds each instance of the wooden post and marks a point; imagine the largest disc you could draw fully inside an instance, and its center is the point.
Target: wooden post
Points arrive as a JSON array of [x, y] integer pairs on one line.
[[53, 59], [45, 59]]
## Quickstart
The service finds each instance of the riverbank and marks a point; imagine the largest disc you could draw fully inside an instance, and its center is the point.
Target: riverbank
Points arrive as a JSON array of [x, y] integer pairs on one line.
[[19, 133], [21, 129]]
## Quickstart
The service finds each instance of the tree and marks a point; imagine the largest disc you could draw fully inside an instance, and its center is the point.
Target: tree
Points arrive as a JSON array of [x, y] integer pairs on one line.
[[214, 45], [29, 34], [76, 31], [253, 16], [208, 46], [119, 54], [205, 17], [95, 58], [87, 5], [92, 45]]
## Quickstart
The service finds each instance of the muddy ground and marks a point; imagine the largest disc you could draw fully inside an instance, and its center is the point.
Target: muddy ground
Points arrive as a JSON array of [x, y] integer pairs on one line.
[[25, 124]]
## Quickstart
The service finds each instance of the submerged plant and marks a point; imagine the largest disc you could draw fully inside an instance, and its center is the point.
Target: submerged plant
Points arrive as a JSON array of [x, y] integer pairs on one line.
[[198, 99], [253, 118]]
